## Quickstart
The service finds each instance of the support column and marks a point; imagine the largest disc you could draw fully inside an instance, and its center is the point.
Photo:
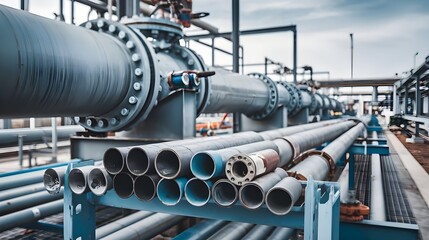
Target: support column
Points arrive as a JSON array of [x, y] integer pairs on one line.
[[236, 52]]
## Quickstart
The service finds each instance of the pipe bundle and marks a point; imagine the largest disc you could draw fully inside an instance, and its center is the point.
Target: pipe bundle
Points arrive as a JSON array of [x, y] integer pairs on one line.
[[248, 167]]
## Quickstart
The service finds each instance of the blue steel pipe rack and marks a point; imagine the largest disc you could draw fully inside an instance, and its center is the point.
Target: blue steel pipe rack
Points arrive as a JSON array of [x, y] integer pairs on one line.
[[318, 215]]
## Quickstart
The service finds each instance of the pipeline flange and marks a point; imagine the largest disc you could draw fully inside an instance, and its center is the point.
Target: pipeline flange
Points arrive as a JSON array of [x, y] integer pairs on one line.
[[298, 106], [314, 104], [294, 96], [273, 97], [143, 84]]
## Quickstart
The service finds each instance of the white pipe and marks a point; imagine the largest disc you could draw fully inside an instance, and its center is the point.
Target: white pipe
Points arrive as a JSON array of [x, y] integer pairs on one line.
[[377, 209]]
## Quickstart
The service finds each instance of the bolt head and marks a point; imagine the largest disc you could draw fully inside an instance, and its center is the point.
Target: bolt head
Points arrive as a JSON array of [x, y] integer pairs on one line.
[[100, 23], [88, 25], [135, 57], [137, 86], [122, 34], [132, 100], [100, 123], [191, 62], [113, 121], [89, 122], [112, 28], [124, 111], [130, 45], [138, 72]]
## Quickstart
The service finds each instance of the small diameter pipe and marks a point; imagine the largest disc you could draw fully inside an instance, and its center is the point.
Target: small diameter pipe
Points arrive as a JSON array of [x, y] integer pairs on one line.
[[281, 233], [232, 231], [121, 223], [23, 179], [198, 192], [145, 187], [170, 191], [30, 214], [252, 194], [146, 228], [25, 201], [114, 159], [123, 184], [242, 168], [346, 196], [78, 179], [99, 181], [259, 232], [378, 208], [53, 179], [175, 161], [210, 164], [281, 198], [16, 192], [224, 193], [202, 230]]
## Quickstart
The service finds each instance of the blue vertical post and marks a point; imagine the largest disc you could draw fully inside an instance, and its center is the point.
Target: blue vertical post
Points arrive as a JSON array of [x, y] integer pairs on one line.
[[312, 200], [79, 211]]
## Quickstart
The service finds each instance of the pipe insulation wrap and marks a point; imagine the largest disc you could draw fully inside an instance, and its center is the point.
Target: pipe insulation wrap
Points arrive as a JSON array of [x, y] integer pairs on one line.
[[61, 69]]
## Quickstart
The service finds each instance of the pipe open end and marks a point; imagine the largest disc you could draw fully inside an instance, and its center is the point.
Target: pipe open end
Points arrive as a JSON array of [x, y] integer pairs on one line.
[[224, 193], [77, 181], [203, 165], [167, 164], [279, 201], [113, 161], [197, 192], [123, 184], [145, 188], [99, 182], [137, 161], [251, 196], [52, 181], [169, 192]]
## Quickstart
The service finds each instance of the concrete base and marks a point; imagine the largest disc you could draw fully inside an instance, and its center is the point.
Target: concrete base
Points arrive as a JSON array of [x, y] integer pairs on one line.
[[415, 139]]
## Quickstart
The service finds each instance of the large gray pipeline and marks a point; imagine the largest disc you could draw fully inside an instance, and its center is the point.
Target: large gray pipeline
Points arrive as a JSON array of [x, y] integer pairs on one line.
[[20, 191], [109, 77], [146, 228], [25, 201]]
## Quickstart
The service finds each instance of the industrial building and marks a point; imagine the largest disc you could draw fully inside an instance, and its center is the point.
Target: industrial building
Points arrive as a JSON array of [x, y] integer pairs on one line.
[[128, 119]]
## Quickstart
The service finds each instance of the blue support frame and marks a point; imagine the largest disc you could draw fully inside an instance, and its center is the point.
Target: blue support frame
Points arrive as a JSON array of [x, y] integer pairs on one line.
[[319, 196]]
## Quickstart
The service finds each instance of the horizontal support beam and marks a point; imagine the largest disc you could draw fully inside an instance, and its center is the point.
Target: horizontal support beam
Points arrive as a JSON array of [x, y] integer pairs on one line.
[[369, 149], [369, 229], [357, 82], [227, 35]]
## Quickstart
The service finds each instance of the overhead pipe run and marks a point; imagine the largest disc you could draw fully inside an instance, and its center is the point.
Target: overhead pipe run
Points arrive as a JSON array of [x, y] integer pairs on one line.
[[123, 75]]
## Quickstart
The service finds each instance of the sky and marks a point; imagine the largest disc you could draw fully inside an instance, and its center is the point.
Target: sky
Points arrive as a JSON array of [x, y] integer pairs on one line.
[[387, 33]]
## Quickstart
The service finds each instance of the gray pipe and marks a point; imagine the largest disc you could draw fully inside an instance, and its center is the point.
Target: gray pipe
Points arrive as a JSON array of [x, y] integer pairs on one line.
[[20, 191], [252, 194], [53, 179], [224, 193], [99, 181], [9, 137], [78, 179], [170, 191], [202, 230], [282, 197], [281, 234], [317, 165], [140, 159], [198, 192], [145, 186], [123, 184], [25, 201], [84, 74], [112, 227], [378, 208], [146, 228], [346, 195], [258, 232], [210, 164], [23, 179], [30, 215], [114, 159], [232, 231], [242, 168], [174, 161]]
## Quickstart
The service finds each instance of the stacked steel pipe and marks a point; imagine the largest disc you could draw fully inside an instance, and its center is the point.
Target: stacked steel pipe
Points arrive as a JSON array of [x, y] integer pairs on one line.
[[247, 166]]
